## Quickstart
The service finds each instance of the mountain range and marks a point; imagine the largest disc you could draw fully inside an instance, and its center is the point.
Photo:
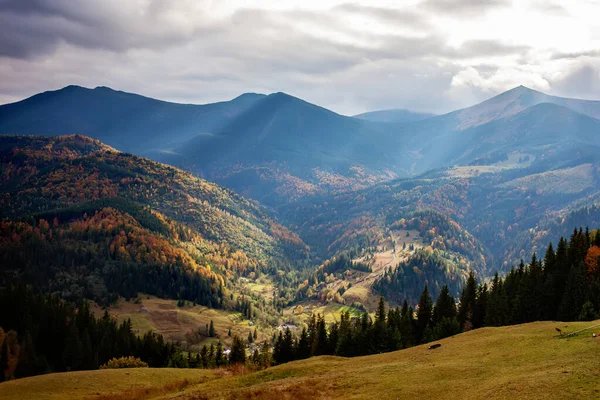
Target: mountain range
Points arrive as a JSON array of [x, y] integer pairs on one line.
[[482, 186], [278, 148]]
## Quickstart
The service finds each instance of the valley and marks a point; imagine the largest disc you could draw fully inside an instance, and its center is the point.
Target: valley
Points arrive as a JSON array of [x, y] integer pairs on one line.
[[318, 226], [299, 199]]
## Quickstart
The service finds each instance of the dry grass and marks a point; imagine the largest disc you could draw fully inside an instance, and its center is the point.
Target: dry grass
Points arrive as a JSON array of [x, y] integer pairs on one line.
[[164, 317], [146, 392], [520, 362], [103, 384]]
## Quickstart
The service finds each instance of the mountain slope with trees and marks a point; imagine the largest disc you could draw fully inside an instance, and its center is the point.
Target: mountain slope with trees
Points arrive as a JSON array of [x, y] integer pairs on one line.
[[88, 221]]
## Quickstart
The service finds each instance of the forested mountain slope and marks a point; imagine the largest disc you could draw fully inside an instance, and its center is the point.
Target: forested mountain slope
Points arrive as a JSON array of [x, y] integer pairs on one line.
[[279, 148], [107, 223], [127, 121]]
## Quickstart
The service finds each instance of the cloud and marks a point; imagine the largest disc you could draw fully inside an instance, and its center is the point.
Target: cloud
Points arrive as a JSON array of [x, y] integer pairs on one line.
[[350, 57], [36, 27], [588, 53], [580, 80], [501, 80], [464, 7]]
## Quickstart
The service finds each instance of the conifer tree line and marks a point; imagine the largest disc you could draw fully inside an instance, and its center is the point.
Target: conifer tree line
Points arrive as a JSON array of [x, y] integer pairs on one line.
[[213, 356], [42, 333], [564, 286]]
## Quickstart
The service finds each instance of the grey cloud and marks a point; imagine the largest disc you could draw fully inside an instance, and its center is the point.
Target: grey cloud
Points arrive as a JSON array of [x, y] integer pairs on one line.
[[549, 7], [589, 53], [461, 7], [163, 49], [483, 48], [409, 18], [583, 81], [36, 27]]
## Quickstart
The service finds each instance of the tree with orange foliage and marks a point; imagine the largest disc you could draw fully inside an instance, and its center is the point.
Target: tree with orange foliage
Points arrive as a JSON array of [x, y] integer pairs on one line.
[[592, 258]]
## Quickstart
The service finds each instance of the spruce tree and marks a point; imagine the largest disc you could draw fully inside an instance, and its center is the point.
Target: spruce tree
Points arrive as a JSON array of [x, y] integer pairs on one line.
[[219, 360], [574, 295], [72, 355], [303, 350], [445, 306], [587, 312], [211, 330], [468, 303], [238, 351], [204, 356], [424, 314]]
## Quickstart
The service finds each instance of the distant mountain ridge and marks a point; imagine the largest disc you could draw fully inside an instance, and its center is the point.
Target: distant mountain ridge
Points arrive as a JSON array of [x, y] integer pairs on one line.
[[277, 148], [127, 121], [394, 115]]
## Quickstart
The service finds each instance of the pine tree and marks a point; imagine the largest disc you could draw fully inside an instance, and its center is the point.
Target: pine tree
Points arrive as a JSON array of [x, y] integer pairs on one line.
[[303, 349], [255, 335], [265, 355], [445, 306], [219, 360], [204, 356], [250, 337], [480, 306], [587, 312], [407, 335], [211, 355], [72, 355], [424, 314], [468, 302], [320, 344], [211, 330], [238, 351], [574, 295]]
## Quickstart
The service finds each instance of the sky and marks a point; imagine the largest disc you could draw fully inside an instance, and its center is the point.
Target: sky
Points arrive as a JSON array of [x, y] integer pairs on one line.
[[351, 57]]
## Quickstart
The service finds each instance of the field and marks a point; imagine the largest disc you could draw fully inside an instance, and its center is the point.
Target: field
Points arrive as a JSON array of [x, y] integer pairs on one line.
[[164, 317], [389, 254], [523, 362]]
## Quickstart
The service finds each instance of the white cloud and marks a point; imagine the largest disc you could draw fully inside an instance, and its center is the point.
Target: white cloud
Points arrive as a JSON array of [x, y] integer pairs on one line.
[[351, 57]]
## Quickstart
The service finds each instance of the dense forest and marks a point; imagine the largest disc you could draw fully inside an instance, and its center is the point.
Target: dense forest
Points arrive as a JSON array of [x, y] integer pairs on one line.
[[42, 333], [564, 285], [84, 222]]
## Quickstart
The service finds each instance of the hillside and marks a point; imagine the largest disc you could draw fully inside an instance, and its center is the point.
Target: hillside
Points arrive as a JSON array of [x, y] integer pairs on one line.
[[526, 361], [127, 121], [279, 149], [283, 148], [93, 207], [546, 134]]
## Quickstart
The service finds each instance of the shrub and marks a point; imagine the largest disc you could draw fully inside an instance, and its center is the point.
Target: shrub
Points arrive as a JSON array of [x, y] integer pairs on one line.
[[124, 362]]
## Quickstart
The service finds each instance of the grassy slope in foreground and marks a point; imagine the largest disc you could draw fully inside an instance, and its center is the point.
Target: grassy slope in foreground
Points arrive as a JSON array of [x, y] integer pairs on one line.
[[523, 361]]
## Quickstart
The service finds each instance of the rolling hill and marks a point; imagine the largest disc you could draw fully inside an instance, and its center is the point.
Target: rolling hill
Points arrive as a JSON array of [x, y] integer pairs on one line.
[[496, 170], [526, 361], [71, 204]]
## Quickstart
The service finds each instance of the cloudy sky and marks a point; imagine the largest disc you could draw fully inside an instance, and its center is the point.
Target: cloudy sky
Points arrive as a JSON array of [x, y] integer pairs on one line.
[[425, 55]]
